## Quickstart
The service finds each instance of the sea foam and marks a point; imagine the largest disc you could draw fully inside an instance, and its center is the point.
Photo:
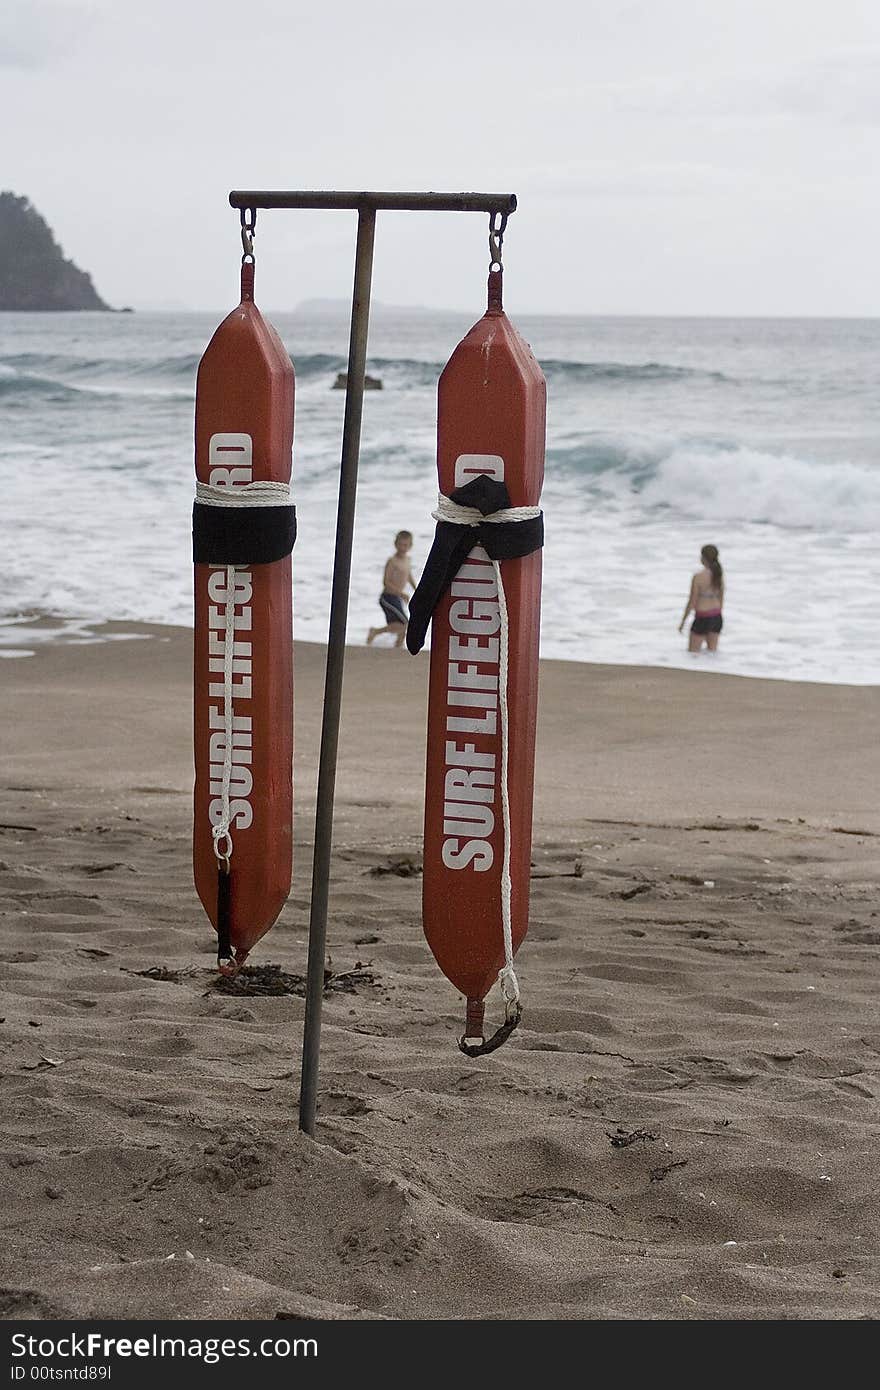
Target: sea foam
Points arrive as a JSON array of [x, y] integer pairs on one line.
[[763, 438]]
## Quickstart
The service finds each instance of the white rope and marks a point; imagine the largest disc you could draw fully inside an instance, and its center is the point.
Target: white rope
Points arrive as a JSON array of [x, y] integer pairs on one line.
[[507, 976], [259, 494], [223, 831], [246, 495], [448, 510]]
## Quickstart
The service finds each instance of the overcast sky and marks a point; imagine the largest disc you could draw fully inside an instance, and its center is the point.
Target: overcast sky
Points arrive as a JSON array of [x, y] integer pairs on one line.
[[670, 156]]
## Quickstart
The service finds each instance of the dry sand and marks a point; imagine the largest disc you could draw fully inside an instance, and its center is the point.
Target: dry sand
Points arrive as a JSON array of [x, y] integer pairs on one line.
[[685, 1125]]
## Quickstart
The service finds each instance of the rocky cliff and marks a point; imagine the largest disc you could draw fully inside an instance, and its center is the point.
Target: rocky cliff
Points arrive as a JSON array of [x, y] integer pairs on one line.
[[33, 271]]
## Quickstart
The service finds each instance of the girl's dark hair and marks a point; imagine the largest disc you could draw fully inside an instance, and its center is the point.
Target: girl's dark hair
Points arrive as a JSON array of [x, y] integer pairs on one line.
[[709, 556], [403, 536]]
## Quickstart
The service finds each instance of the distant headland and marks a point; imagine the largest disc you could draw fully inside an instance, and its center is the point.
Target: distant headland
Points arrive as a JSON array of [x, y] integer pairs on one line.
[[34, 274]]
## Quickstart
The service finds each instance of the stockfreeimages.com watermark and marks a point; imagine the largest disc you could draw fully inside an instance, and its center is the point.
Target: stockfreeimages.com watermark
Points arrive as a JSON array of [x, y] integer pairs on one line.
[[96, 1346]]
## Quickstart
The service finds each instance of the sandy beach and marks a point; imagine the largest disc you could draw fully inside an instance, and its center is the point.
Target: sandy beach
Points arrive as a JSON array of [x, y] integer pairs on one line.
[[684, 1126]]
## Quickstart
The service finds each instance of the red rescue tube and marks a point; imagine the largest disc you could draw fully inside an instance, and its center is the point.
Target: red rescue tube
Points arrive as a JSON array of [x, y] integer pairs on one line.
[[491, 420], [244, 434]]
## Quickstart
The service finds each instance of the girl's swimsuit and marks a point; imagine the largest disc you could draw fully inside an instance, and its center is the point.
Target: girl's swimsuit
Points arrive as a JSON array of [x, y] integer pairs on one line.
[[710, 620], [707, 622]]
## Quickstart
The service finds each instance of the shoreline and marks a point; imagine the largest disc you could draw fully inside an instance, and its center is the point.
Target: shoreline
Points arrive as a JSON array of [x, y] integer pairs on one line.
[[56, 629], [614, 741], [686, 724]]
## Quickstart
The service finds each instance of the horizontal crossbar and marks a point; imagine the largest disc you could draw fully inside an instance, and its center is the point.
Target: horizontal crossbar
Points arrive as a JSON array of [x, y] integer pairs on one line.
[[387, 202]]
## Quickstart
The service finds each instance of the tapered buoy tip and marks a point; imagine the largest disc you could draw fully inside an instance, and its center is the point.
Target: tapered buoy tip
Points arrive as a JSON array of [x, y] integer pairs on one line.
[[247, 280]]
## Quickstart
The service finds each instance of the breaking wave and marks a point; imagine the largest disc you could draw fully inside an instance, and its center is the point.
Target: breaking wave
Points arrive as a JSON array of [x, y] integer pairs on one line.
[[726, 482]]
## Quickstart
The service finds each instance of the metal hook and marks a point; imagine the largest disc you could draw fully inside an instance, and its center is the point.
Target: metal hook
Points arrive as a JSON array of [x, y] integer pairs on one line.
[[497, 225]]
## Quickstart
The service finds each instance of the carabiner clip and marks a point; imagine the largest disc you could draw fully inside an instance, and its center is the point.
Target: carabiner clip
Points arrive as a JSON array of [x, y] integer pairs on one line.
[[496, 237], [248, 228]]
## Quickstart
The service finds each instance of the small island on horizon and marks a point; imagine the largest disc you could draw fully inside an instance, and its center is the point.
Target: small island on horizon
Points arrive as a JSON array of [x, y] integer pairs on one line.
[[34, 274]]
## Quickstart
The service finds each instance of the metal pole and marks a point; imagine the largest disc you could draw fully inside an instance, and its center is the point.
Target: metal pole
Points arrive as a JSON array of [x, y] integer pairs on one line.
[[351, 435]]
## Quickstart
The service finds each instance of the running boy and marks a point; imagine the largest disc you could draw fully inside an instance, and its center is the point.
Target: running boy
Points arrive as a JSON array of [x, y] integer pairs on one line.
[[398, 575]]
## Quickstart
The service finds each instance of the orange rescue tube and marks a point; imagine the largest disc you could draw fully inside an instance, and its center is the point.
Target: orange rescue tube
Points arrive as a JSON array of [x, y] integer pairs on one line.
[[491, 421], [243, 671]]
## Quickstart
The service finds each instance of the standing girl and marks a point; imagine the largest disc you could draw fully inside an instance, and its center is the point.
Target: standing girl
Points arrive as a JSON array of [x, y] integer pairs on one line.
[[706, 599]]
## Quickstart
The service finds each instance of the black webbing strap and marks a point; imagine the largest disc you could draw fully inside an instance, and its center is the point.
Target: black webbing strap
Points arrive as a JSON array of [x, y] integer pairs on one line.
[[491, 1044], [453, 542], [224, 914], [242, 535]]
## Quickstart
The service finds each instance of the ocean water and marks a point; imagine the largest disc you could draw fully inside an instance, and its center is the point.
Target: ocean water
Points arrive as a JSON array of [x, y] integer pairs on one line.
[[759, 436]]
